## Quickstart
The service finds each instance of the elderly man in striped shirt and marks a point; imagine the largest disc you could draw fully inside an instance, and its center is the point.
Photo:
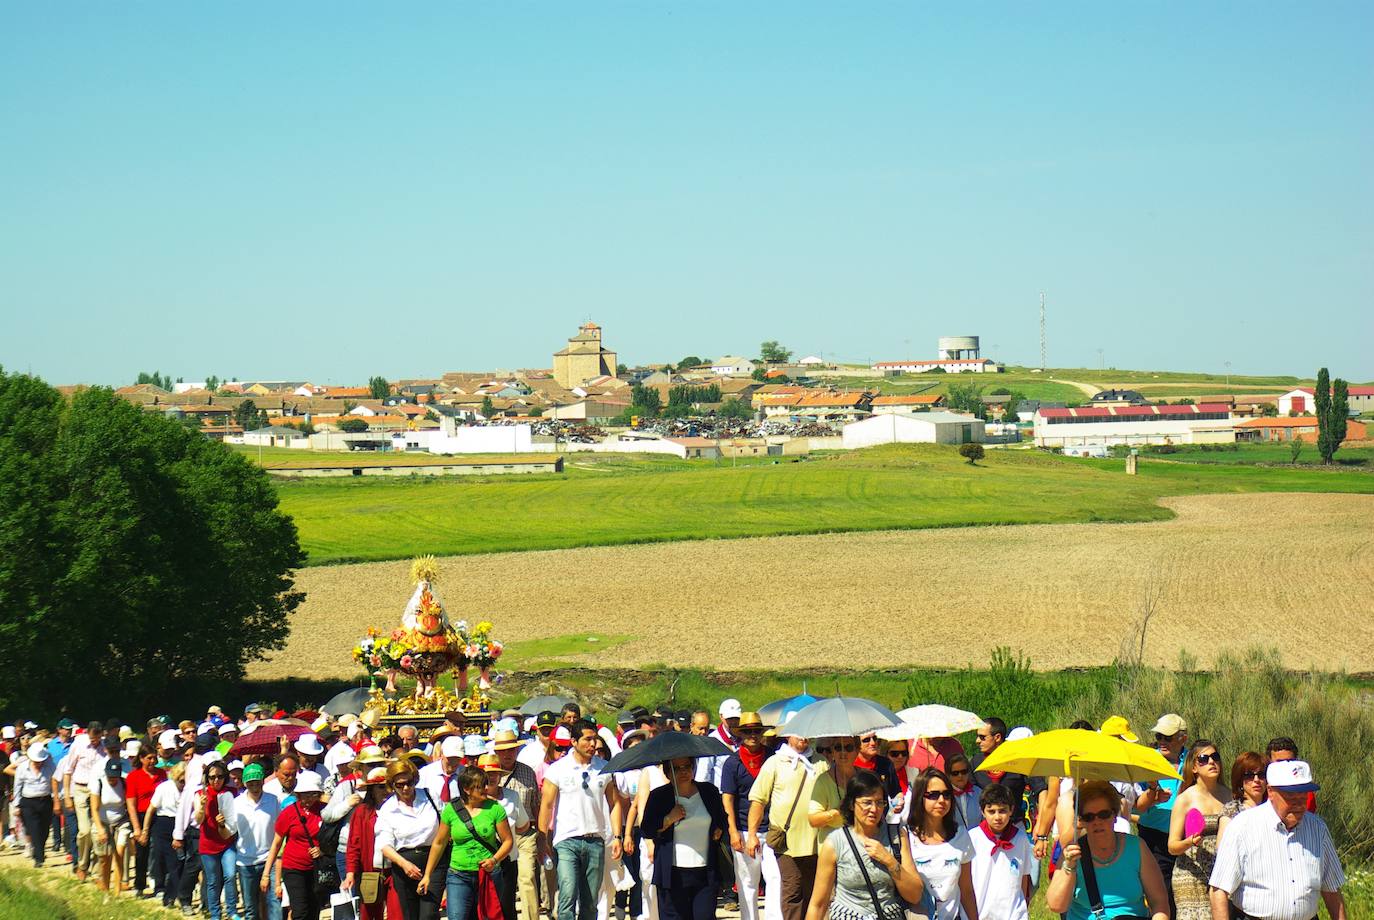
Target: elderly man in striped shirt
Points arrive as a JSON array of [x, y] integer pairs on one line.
[[1275, 859]]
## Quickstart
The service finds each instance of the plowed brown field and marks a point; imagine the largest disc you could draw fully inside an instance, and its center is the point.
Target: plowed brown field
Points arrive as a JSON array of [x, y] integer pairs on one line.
[[1296, 571]]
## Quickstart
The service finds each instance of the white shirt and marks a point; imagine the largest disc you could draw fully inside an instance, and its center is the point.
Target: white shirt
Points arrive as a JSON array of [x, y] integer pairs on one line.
[[166, 800], [582, 806], [532, 754], [432, 781], [515, 810], [255, 823], [997, 876], [113, 808], [402, 826], [692, 834], [31, 785], [1272, 872], [939, 865], [84, 761], [338, 809]]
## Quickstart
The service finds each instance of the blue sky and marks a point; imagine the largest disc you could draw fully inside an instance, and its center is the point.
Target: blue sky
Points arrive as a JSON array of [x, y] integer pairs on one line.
[[327, 191]]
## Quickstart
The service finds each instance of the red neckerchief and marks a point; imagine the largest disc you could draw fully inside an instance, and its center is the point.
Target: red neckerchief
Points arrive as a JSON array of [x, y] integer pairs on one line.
[[970, 789], [903, 781], [864, 764], [724, 736], [752, 762], [1002, 841]]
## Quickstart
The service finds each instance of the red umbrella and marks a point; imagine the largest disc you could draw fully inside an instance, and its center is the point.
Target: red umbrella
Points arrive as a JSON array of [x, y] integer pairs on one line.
[[263, 737]]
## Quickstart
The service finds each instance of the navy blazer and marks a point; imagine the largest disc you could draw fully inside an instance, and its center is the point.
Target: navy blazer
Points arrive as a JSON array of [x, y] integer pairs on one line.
[[656, 808]]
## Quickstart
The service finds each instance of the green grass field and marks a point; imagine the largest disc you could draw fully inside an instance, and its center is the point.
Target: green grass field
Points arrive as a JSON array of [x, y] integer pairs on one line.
[[896, 487], [1357, 457]]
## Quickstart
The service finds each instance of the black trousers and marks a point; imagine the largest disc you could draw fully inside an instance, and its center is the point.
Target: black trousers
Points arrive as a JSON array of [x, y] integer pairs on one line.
[[691, 896], [1158, 844], [190, 866], [300, 888], [141, 853], [415, 906], [36, 816], [505, 887], [167, 864]]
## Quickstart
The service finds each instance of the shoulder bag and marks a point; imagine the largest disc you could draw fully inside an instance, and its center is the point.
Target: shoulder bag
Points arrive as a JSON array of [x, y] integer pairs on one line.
[[859, 858], [1085, 863], [462, 812], [326, 872], [776, 838]]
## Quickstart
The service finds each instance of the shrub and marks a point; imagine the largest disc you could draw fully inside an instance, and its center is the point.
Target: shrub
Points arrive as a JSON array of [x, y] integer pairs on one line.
[[971, 452]]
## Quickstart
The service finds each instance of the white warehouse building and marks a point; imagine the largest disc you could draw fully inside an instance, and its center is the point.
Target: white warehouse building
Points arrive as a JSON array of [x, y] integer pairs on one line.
[[1210, 423], [948, 365], [924, 428]]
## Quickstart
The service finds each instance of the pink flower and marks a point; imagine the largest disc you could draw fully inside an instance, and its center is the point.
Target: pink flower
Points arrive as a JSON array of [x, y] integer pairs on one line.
[[406, 661], [376, 661]]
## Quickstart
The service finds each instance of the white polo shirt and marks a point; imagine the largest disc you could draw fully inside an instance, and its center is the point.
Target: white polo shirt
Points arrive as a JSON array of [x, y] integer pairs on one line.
[[997, 875], [1273, 872], [582, 807]]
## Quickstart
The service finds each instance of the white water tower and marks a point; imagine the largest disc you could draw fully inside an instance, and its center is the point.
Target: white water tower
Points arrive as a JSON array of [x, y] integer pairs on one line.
[[958, 348]]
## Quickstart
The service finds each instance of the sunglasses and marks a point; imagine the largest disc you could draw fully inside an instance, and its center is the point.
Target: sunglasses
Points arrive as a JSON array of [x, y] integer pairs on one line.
[[958, 773], [1250, 775], [871, 739], [586, 779], [847, 748], [899, 753], [1209, 758], [403, 784], [751, 731], [982, 737], [1105, 814], [940, 794], [1161, 739], [822, 750]]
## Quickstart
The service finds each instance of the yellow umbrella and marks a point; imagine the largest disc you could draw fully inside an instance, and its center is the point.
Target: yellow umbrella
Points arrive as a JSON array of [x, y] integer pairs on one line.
[[1080, 754]]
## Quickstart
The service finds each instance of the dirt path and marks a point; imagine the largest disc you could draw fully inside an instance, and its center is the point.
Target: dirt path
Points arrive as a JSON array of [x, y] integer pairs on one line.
[[1241, 566], [1087, 388]]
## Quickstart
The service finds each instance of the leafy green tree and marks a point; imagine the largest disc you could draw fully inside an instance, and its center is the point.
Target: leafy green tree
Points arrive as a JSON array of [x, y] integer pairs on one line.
[[1014, 401], [1185, 401], [972, 453], [1269, 410], [191, 421], [249, 417], [488, 407], [353, 425], [138, 560], [686, 395], [967, 397], [212, 383], [1332, 415], [690, 361], [733, 408], [645, 400], [759, 374], [1295, 447], [378, 387], [535, 411], [772, 352], [622, 369], [156, 379]]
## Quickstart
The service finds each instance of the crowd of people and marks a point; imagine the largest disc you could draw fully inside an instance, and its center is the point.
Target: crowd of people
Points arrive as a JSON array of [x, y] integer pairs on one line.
[[522, 817]]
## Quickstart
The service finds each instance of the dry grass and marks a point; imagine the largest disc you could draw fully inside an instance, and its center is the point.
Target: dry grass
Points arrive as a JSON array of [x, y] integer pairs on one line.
[[1291, 570]]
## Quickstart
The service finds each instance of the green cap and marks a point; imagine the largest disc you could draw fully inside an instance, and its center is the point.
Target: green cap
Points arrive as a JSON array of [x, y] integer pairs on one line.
[[253, 772]]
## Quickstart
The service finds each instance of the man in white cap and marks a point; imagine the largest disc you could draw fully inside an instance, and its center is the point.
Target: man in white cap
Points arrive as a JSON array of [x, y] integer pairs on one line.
[[1275, 860], [228, 734], [341, 752], [310, 749], [1155, 804], [440, 778]]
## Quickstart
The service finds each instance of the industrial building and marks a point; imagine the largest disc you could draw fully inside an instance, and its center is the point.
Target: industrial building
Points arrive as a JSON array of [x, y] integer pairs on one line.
[[1302, 400], [923, 428], [954, 354], [1209, 423]]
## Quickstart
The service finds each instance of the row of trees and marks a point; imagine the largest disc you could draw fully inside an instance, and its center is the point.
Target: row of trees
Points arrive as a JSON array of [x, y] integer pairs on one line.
[[138, 559]]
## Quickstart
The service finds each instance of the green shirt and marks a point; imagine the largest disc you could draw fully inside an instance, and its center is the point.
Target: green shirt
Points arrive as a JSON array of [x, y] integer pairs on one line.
[[467, 852]]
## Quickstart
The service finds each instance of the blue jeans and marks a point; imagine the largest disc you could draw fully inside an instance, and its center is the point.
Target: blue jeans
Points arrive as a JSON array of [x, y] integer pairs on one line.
[[220, 872], [250, 877], [462, 893], [273, 902], [580, 862]]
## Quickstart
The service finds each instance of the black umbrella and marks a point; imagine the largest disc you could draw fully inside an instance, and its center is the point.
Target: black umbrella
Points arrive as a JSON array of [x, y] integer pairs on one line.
[[537, 704], [349, 702], [664, 747]]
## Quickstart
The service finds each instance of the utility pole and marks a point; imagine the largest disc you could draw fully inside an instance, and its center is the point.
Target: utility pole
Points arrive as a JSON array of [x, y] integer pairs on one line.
[[1101, 361], [1042, 332], [1228, 375]]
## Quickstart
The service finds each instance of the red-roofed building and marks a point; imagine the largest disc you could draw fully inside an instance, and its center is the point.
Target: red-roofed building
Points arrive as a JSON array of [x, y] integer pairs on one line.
[[948, 365], [1302, 400], [1208, 423], [1298, 428]]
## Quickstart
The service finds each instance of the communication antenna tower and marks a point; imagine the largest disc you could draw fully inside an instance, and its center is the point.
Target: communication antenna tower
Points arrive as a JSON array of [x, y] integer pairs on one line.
[[1042, 332]]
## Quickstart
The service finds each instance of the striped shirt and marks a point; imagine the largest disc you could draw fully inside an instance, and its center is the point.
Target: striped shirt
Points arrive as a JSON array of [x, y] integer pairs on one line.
[[1273, 873]]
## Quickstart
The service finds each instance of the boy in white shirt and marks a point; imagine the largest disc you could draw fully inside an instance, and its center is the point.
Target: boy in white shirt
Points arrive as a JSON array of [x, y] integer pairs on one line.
[[1002, 859]]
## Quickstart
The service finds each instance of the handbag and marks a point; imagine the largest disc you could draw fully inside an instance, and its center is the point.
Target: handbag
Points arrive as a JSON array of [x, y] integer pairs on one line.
[[326, 872], [776, 838], [369, 886], [872, 892]]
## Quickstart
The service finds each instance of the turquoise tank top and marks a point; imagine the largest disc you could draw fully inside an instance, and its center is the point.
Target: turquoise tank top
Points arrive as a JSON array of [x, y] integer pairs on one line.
[[1118, 883]]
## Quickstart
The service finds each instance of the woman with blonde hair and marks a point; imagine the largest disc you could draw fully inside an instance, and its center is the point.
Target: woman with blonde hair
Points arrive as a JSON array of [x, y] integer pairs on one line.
[[406, 826]]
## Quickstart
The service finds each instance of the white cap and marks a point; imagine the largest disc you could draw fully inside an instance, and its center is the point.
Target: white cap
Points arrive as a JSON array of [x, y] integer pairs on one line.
[[309, 744], [308, 781], [1290, 776], [30, 725], [730, 709], [7, 732], [168, 739], [38, 751], [1019, 732], [451, 746], [210, 757], [529, 722], [235, 765], [320, 723], [205, 728], [474, 746], [228, 727], [355, 729], [131, 749]]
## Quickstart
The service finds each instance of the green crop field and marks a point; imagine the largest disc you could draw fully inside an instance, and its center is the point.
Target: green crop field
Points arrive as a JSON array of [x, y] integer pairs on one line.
[[1355, 457], [896, 487]]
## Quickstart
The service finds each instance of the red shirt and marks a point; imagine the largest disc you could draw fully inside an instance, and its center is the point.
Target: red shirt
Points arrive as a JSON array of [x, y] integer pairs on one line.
[[140, 785], [295, 850], [921, 758]]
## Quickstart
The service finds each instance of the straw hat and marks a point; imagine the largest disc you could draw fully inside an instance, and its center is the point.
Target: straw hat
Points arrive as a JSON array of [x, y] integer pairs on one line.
[[490, 763], [505, 740]]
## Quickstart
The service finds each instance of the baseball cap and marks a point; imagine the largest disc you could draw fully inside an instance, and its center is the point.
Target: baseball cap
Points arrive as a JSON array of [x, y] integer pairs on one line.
[[206, 728], [546, 719], [7, 732], [309, 744], [1290, 776], [253, 773], [65, 723], [228, 727], [131, 749], [730, 709], [168, 739], [474, 746], [626, 718], [562, 737], [114, 767], [1171, 723], [1020, 733], [1120, 728], [307, 781], [125, 733], [452, 746], [252, 707]]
